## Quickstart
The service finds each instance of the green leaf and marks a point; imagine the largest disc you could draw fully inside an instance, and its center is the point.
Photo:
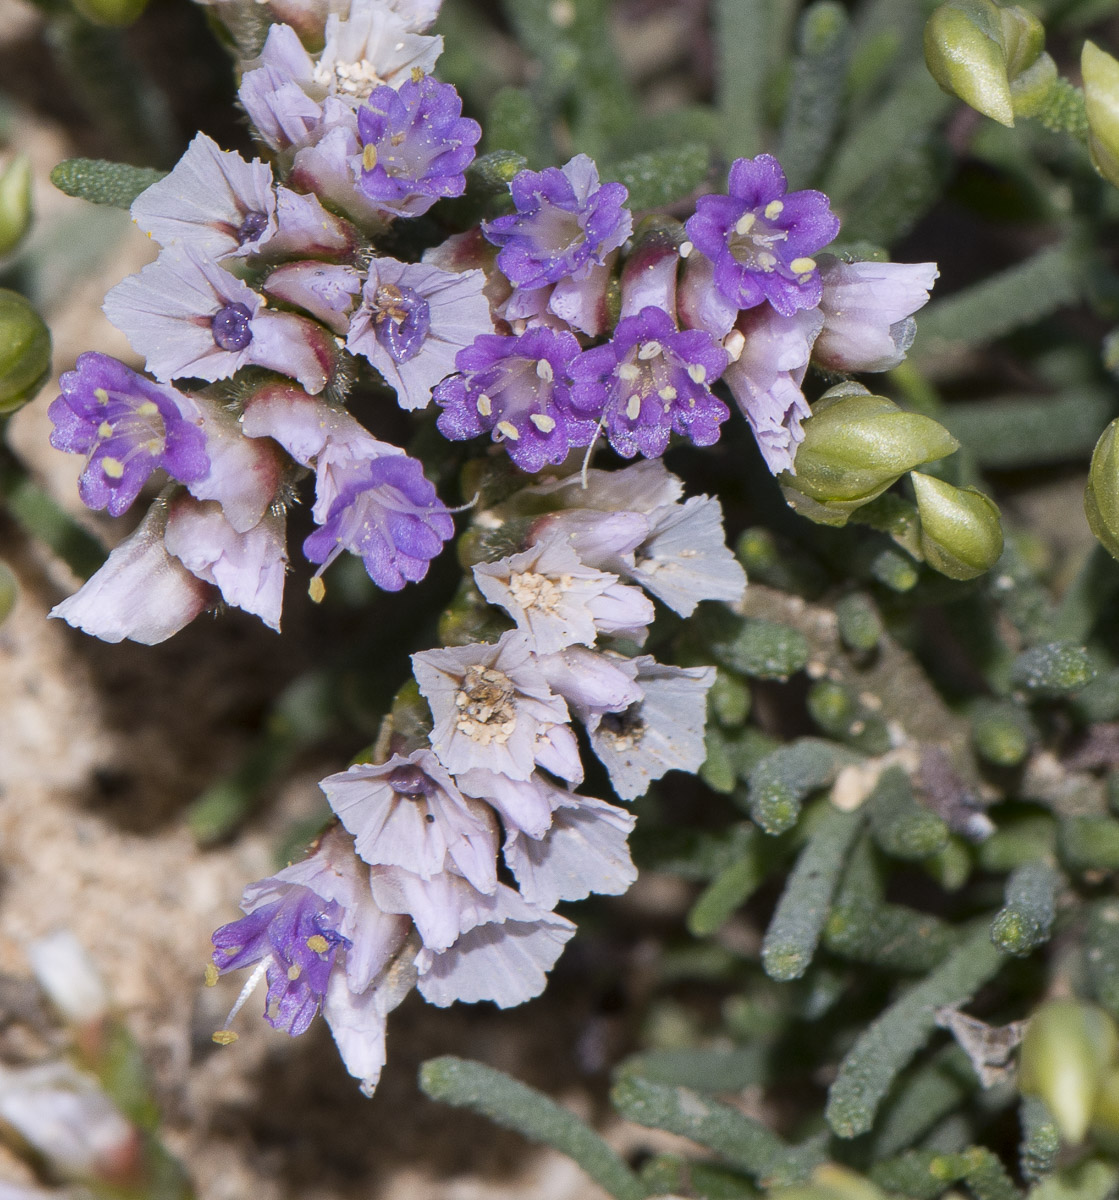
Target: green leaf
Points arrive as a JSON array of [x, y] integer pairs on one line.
[[658, 178], [515, 1106], [103, 182]]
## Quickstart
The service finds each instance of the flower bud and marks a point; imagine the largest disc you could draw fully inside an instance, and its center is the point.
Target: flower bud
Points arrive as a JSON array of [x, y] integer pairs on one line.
[[649, 274], [961, 535], [25, 351], [110, 12], [1101, 496], [855, 446], [15, 203], [1101, 102], [1065, 1055], [992, 57]]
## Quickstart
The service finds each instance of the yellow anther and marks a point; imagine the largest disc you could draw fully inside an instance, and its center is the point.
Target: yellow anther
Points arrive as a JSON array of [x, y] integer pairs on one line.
[[745, 223], [316, 589], [767, 261], [633, 407], [668, 392], [224, 1037], [369, 157], [774, 209], [697, 372], [295, 970], [211, 975], [509, 430], [104, 430], [101, 396], [417, 74], [544, 370], [148, 409], [113, 467], [485, 405], [801, 266], [629, 372], [543, 422], [649, 350], [317, 943]]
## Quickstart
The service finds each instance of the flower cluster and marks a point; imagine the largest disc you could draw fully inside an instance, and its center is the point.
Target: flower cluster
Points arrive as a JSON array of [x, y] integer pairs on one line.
[[406, 891]]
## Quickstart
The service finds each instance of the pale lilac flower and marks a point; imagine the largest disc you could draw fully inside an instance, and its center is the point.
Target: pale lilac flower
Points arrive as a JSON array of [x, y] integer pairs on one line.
[[275, 91], [387, 513], [565, 224], [477, 945], [700, 304], [685, 558], [127, 427], [247, 568], [328, 291], [649, 276], [640, 487], [413, 321], [649, 381], [868, 312], [304, 229], [765, 378], [556, 600], [489, 703], [557, 751], [371, 46], [761, 237], [140, 591], [662, 732], [416, 146], [590, 682], [189, 317], [407, 812], [212, 200], [583, 851], [524, 805], [517, 389]]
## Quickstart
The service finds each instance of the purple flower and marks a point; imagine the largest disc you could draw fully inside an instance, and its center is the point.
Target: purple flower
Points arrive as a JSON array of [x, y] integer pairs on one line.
[[275, 91], [868, 312], [387, 513], [649, 381], [416, 146], [189, 317], [765, 378], [489, 704], [213, 201], [760, 237], [565, 224], [413, 321], [295, 932], [127, 427], [140, 592], [408, 812], [518, 388]]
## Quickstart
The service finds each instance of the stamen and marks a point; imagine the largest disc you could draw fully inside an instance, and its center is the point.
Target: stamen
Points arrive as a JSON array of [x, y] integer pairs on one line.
[[774, 209], [697, 372], [744, 224], [734, 343], [211, 975], [294, 971], [509, 430], [101, 396], [628, 372], [767, 261], [317, 943], [112, 467], [649, 350], [104, 430], [801, 266], [543, 422], [485, 405], [633, 407], [685, 249], [225, 1035], [668, 392], [369, 158], [544, 370], [149, 408]]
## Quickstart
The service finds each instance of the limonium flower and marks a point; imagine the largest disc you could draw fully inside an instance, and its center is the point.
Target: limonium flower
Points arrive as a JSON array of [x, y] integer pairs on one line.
[[127, 427], [649, 381], [517, 389], [416, 146], [761, 237], [413, 320]]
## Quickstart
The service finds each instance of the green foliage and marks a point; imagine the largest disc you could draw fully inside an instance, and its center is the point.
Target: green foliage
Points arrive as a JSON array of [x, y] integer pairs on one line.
[[101, 182]]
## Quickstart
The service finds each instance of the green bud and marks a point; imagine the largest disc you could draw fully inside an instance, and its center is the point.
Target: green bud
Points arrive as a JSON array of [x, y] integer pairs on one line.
[[1101, 102], [15, 203], [856, 446], [1067, 1050], [1101, 496], [965, 55], [110, 12], [729, 700], [1002, 734], [961, 535], [25, 351], [860, 626]]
